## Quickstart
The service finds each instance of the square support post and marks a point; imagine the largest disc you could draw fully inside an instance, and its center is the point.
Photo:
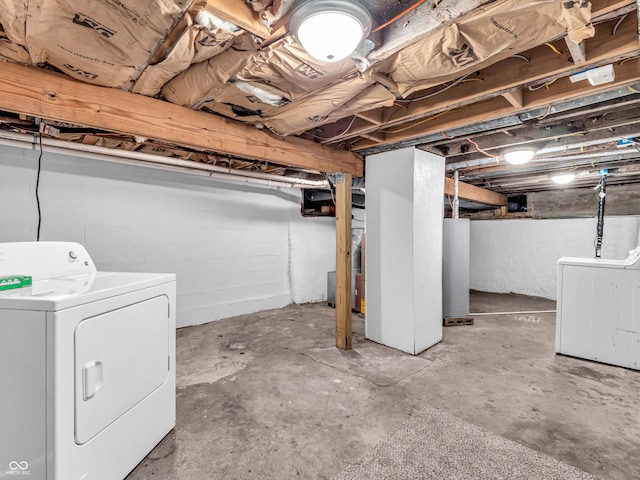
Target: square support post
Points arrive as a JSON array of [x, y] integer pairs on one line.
[[344, 289]]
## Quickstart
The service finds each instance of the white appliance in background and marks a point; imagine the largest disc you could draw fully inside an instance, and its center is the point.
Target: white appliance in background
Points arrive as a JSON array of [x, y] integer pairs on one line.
[[87, 365], [598, 312]]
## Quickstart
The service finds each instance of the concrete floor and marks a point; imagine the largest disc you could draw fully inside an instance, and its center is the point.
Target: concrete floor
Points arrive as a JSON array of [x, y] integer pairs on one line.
[[268, 396]]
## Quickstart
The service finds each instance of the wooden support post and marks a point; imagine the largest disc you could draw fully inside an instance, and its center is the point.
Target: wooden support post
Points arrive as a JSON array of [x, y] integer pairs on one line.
[[344, 289]]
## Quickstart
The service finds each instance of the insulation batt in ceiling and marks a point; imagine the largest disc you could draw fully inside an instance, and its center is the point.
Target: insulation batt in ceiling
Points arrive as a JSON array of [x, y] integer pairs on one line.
[[490, 34], [112, 42]]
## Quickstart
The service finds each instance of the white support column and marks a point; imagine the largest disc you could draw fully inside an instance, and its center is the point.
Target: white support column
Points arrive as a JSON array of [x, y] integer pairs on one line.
[[405, 191]]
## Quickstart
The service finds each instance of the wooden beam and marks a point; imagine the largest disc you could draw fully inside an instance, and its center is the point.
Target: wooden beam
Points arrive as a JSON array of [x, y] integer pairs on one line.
[[514, 97], [344, 289], [505, 76], [638, 15], [426, 19], [562, 90], [39, 93], [475, 194], [371, 116], [577, 51], [606, 9], [240, 13]]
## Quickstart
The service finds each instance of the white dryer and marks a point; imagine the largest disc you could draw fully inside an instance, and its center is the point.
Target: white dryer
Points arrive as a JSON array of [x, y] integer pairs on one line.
[[87, 365]]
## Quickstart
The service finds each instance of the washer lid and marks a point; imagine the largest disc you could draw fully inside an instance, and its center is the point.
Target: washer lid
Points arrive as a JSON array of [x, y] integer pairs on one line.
[[52, 294]]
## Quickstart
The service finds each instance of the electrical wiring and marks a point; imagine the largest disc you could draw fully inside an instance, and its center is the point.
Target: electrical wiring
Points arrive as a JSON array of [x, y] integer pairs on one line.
[[433, 94], [424, 120], [626, 60], [400, 15], [553, 47], [38, 188], [339, 134], [546, 113], [631, 89], [331, 187], [450, 204], [615, 28], [521, 57], [480, 149], [533, 88]]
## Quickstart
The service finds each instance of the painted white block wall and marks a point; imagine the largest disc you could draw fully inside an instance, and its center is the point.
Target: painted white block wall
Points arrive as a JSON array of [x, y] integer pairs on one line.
[[404, 249], [521, 256], [236, 249]]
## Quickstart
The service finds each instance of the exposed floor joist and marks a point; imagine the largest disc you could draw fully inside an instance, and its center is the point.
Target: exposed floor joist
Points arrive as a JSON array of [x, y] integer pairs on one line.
[[497, 107], [475, 194], [543, 65], [240, 13], [35, 92]]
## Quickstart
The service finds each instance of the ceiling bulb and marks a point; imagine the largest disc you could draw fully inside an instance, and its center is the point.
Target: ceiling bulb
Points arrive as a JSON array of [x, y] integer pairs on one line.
[[564, 178], [330, 30], [519, 156]]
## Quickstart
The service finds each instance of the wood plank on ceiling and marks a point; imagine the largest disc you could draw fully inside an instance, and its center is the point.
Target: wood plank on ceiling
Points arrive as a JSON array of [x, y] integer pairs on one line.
[[626, 73], [39, 93], [503, 77], [239, 13], [473, 193]]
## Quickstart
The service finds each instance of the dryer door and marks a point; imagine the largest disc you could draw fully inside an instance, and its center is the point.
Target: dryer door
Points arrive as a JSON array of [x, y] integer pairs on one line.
[[120, 358]]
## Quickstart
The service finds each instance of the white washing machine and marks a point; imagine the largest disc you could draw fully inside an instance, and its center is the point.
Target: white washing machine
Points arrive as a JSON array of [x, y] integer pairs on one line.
[[87, 365], [598, 315]]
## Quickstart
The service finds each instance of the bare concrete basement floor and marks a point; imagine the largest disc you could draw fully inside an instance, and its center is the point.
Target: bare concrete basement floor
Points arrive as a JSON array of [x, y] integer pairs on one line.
[[268, 396]]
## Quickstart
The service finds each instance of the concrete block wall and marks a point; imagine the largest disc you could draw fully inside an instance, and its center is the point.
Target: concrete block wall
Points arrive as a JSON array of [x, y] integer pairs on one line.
[[521, 256], [235, 248]]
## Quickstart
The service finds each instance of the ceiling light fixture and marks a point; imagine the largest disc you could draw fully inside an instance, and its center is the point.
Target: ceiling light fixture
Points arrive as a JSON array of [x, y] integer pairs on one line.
[[519, 156], [563, 178], [330, 30]]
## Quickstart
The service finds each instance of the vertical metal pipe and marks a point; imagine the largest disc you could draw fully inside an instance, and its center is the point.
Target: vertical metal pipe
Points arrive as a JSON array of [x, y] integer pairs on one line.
[[601, 205], [456, 200]]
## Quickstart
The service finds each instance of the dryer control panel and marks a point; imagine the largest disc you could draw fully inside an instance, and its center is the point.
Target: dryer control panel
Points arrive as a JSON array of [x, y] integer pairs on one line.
[[42, 260]]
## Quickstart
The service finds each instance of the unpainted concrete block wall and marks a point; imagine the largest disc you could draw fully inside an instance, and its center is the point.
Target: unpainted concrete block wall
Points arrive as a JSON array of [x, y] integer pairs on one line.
[[235, 248], [521, 256]]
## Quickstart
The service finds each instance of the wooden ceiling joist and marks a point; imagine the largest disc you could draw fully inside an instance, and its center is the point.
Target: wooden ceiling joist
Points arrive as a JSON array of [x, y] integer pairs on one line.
[[626, 73], [241, 14], [475, 194], [539, 64], [35, 92]]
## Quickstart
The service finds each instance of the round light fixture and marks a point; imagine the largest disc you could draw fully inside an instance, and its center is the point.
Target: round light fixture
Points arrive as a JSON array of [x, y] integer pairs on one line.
[[519, 156], [563, 178], [330, 30]]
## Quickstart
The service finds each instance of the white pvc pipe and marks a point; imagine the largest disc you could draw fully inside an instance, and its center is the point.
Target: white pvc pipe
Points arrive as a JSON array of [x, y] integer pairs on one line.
[[155, 161], [456, 199]]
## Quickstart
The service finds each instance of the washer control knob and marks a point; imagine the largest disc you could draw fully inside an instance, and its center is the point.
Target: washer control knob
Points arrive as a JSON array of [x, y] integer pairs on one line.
[[73, 255]]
